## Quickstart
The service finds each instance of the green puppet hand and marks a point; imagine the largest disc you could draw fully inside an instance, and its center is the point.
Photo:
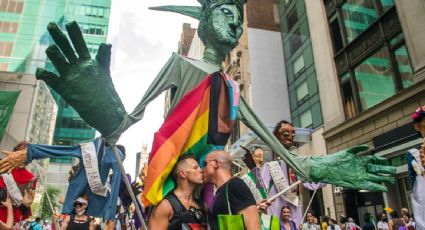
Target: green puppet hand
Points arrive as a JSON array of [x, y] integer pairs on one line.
[[84, 83], [346, 169]]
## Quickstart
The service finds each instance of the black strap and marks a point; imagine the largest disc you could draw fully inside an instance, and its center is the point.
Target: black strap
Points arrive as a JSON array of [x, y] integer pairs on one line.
[[227, 198], [177, 206]]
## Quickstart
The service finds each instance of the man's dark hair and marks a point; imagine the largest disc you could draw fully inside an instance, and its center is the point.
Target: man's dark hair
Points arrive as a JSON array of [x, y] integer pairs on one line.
[[279, 124], [255, 147], [284, 207], [394, 214], [181, 158], [21, 143], [311, 212], [37, 219]]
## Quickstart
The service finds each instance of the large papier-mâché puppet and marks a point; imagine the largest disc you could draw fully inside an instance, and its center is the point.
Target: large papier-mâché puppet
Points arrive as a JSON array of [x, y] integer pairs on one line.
[[86, 85]]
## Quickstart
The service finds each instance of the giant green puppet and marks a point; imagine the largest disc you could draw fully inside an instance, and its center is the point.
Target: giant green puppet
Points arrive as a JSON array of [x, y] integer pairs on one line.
[[86, 84]]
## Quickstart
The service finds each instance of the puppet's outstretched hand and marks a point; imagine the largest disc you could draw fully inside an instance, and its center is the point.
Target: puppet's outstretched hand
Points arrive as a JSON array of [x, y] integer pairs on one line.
[[83, 82], [348, 170], [13, 160]]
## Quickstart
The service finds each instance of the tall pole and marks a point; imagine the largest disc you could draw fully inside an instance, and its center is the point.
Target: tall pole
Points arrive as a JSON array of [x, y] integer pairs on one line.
[[47, 194], [309, 203], [128, 186]]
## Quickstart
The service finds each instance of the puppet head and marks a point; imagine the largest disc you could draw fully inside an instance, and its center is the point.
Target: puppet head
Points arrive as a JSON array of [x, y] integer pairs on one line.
[[220, 25]]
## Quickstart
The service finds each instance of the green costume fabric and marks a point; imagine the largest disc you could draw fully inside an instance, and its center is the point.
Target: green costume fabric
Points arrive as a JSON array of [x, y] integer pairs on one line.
[[343, 168], [84, 83], [7, 103]]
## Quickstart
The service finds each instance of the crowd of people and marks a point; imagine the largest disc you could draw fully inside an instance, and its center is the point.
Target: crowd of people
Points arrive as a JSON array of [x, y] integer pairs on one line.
[[188, 206], [206, 195]]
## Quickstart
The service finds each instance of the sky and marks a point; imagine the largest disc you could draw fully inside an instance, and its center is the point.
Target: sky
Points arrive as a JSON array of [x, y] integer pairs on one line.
[[143, 40]]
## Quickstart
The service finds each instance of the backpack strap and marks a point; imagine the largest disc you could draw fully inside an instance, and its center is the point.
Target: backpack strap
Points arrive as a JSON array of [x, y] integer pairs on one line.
[[178, 210], [175, 204]]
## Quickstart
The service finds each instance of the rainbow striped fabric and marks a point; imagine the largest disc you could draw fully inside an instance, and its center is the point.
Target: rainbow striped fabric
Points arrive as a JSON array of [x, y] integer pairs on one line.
[[200, 123]]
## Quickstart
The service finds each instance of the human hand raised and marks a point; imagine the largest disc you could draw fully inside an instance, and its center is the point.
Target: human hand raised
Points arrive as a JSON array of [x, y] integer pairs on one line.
[[262, 205], [348, 170], [83, 82]]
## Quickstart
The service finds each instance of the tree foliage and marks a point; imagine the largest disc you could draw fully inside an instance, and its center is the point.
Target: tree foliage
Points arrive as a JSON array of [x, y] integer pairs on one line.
[[53, 193]]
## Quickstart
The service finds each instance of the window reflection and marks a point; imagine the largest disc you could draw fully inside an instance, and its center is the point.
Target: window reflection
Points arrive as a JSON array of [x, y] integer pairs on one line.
[[375, 79], [403, 66], [387, 4], [358, 15]]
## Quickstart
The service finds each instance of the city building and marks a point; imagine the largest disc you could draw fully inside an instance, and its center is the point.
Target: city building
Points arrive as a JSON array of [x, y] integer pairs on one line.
[[303, 92], [142, 159], [34, 114], [23, 41], [370, 70], [33, 118]]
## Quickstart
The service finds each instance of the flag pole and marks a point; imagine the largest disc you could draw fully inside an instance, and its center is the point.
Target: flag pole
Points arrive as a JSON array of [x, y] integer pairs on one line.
[[271, 199], [128, 186], [47, 194], [309, 204]]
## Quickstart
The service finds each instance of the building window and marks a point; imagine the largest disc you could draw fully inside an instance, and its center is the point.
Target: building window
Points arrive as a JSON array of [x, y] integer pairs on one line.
[[302, 91], [66, 159], [11, 6], [6, 49], [306, 120], [336, 34], [374, 78], [95, 29], [8, 27], [93, 48], [94, 11], [358, 16], [372, 64], [348, 96], [402, 61], [292, 19], [298, 65], [74, 123], [295, 42], [403, 66], [387, 4]]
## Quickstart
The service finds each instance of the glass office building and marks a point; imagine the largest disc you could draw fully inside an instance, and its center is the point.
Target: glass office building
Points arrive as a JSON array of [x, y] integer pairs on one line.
[[24, 39], [304, 96], [370, 53]]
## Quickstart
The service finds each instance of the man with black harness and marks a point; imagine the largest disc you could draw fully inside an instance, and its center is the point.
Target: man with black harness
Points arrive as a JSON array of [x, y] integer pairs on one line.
[[180, 209]]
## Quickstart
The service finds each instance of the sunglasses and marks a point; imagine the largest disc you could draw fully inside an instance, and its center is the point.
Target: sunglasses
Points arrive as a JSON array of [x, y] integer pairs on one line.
[[78, 204], [287, 134]]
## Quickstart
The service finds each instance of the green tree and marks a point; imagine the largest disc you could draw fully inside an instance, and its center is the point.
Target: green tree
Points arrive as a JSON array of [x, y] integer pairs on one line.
[[53, 193]]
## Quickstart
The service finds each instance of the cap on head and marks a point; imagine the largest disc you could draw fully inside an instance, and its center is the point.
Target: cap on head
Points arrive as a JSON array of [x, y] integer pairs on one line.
[[81, 200]]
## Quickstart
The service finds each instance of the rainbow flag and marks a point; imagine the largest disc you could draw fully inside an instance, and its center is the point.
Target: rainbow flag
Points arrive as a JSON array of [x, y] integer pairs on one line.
[[200, 123]]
